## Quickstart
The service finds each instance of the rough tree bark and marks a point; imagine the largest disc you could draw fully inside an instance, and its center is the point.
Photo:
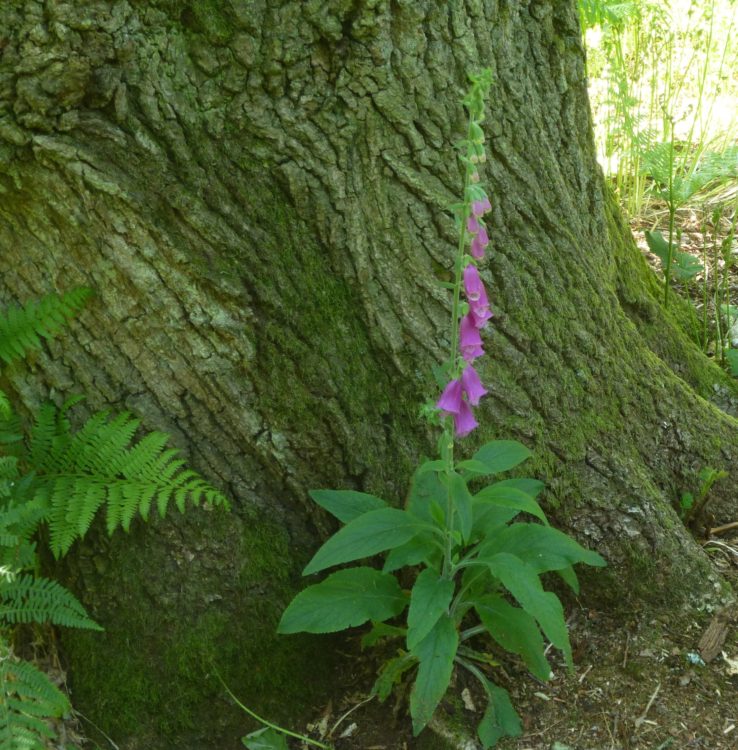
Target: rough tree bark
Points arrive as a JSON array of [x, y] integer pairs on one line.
[[258, 193]]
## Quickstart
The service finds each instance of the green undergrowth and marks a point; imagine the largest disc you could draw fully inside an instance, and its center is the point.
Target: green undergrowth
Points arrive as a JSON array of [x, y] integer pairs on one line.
[[165, 685]]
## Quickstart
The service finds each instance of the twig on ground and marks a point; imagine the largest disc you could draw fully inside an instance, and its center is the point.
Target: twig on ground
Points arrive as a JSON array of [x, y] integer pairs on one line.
[[350, 711], [722, 529], [642, 718]]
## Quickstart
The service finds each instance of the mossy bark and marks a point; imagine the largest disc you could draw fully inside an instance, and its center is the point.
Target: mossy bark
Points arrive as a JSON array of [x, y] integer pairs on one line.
[[258, 192]]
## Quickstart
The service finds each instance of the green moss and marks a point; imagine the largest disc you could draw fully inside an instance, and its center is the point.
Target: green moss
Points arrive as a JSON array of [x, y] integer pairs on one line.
[[207, 17], [152, 674]]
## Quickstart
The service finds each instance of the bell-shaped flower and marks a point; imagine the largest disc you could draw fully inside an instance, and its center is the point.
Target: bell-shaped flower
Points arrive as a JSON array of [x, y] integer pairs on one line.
[[464, 421], [470, 342], [472, 225], [480, 314], [479, 208], [472, 385], [452, 398], [479, 242], [473, 286]]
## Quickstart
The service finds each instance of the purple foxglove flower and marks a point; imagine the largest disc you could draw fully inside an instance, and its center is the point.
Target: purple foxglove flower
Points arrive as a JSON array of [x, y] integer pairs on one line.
[[480, 314], [480, 241], [473, 285], [472, 225], [479, 208], [477, 248], [451, 399], [464, 421], [482, 234], [470, 342], [472, 385]]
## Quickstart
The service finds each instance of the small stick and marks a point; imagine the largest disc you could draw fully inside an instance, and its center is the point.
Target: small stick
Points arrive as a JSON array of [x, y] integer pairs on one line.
[[627, 644], [725, 527], [642, 717], [350, 711]]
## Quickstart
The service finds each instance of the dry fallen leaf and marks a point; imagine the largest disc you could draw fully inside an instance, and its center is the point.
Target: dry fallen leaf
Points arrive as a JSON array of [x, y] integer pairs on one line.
[[732, 664]]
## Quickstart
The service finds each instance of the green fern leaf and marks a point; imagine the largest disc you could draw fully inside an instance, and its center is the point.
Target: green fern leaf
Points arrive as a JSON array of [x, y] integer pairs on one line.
[[45, 429], [21, 328], [6, 410], [28, 599], [27, 699], [10, 431], [79, 473], [8, 467]]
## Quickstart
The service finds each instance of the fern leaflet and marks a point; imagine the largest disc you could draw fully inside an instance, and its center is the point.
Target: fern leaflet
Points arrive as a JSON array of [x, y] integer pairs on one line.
[[27, 698], [80, 472], [29, 599], [21, 328]]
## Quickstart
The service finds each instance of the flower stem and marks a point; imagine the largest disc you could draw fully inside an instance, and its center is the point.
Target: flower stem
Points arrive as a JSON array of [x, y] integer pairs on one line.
[[453, 363], [269, 724]]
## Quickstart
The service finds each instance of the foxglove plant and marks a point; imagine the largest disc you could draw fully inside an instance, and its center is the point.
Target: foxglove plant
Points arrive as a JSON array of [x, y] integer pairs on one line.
[[477, 568]]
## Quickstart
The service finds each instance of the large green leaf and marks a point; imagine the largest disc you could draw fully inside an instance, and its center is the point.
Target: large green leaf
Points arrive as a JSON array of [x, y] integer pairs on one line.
[[731, 356], [489, 518], [685, 266], [542, 547], [516, 631], [510, 497], [659, 246], [346, 505], [500, 719], [436, 654], [522, 581], [370, 533], [425, 489], [423, 548], [265, 739], [532, 487], [429, 599], [345, 599], [495, 457], [462, 502]]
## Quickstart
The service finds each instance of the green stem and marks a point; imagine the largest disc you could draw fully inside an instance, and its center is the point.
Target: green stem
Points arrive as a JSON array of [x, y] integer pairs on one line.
[[672, 215], [465, 635], [269, 724], [474, 670], [453, 365]]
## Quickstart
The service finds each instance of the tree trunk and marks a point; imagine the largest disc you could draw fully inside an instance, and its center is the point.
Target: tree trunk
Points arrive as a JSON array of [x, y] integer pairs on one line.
[[258, 192]]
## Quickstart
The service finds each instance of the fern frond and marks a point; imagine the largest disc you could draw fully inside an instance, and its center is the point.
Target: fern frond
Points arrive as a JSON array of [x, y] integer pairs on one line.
[[6, 410], [27, 698], [21, 518], [29, 599], [43, 432], [11, 432], [8, 467], [80, 472], [613, 12], [21, 328], [657, 162], [19, 555]]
